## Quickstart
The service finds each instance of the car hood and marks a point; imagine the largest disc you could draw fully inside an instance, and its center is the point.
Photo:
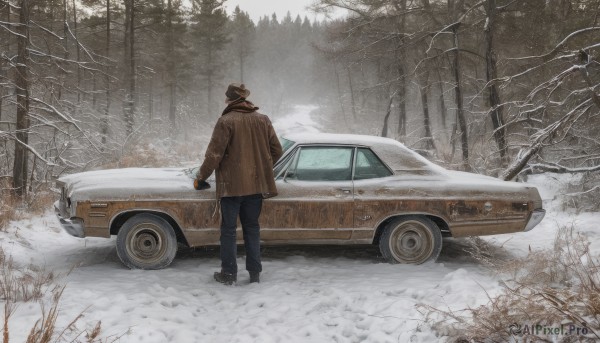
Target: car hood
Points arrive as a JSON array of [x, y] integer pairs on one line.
[[132, 183]]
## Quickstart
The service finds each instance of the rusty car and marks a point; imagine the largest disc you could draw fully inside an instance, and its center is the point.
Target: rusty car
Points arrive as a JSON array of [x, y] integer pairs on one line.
[[333, 189]]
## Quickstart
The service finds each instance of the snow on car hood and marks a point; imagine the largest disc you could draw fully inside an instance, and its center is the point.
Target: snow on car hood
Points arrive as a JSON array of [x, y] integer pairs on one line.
[[132, 183]]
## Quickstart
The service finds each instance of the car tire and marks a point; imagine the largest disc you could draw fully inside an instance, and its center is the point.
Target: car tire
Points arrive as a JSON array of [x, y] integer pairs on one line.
[[146, 241], [411, 240]]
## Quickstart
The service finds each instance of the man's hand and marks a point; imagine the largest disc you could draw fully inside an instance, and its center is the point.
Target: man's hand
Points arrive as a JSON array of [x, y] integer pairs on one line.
[[201, 184]]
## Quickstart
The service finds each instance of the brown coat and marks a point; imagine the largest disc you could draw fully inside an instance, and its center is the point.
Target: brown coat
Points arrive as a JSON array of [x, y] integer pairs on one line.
[[242, 151]]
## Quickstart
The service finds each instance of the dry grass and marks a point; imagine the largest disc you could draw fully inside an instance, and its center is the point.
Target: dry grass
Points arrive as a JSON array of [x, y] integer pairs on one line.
[[20, 285], [8, 204], [8, 211], [14, 208], [149, 154], [191, 151], [145, 155], [556, 288], [39, 202]]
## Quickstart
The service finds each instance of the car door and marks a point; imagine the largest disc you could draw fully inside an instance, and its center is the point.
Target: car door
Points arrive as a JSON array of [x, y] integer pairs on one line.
[[370, 198], [315, 201]]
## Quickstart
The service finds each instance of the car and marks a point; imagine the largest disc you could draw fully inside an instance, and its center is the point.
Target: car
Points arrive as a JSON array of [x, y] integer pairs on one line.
[[333, 189]]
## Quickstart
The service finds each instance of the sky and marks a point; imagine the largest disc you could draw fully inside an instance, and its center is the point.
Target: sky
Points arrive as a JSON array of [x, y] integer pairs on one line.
[[259, 8]]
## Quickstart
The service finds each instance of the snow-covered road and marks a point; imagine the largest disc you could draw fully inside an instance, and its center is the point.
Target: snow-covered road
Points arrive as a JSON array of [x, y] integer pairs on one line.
[[307, 294]]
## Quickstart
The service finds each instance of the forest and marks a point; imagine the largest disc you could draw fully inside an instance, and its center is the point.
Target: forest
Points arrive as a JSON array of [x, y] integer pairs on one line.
[[499, 87]]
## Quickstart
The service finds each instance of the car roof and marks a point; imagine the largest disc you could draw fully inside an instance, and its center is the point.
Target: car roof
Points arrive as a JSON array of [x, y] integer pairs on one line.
[[395, 154], [338, 138]]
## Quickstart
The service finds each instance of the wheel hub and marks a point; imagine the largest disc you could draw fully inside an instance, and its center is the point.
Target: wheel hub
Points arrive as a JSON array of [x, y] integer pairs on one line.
[[411, 243], [146, 244]]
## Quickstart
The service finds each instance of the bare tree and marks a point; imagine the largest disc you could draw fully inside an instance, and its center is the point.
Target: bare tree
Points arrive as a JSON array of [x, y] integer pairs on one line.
[[172, 81], [496, 111], [107, 83], [44, 97], [130, 69], [22, 85], [566, 103]]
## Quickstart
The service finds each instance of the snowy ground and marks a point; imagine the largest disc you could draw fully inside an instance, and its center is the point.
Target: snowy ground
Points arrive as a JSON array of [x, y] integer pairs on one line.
[[306, 294]]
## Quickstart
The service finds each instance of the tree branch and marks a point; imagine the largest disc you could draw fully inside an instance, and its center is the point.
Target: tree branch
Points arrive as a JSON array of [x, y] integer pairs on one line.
[[550, 55], [538, 168]]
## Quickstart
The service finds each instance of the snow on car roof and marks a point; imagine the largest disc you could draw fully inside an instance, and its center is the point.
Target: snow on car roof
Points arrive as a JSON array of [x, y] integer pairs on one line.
[[339, 138]]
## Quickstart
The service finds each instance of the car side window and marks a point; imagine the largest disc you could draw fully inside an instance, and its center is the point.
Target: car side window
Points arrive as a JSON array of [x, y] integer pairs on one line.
[[322, 164], [369, 166], [283, 164]]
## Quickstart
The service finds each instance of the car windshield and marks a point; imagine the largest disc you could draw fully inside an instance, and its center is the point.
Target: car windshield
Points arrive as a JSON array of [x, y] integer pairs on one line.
[[286, 144], [191, 172]]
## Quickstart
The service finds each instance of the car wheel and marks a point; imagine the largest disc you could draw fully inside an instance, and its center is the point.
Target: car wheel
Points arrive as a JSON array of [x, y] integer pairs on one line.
[[411, 239], [146, 241]]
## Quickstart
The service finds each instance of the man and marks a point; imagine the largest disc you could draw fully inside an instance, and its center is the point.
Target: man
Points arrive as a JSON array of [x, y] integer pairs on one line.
[[242, 151]]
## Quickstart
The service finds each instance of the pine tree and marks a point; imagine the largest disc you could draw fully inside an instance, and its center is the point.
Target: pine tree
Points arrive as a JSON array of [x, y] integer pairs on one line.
[[210, 40], [243, 35]]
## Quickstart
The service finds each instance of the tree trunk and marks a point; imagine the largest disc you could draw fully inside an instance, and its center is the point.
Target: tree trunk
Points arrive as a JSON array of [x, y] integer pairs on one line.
[[209, 80], [106, 76], [129, 103], [126, 69], [402, 102], [518, 165], [242, 60], [429, 143], [460, 115], [63, 72], [352, 99], [22, 89], [78, 54], [491, 75], [386, 119], [171, 69], [340, 93], [443, 109], [132, 79], [65, 29], [401, 60], [4, 74]]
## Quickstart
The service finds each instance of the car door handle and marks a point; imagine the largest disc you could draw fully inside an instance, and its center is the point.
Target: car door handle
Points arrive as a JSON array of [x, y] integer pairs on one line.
[[345, 190]]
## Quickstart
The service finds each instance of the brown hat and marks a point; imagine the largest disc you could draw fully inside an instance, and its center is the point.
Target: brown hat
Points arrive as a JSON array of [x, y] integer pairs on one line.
[[236, 91]]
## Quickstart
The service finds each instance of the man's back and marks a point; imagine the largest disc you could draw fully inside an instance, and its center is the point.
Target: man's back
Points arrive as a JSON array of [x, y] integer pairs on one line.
[[247, 164], [242, 151]]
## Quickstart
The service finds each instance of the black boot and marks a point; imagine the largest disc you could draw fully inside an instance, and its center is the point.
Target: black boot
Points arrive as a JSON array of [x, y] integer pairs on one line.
[[224, 278], [254, 277]]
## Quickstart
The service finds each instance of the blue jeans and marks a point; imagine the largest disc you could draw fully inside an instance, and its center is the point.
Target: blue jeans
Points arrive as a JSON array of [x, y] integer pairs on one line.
[[248, 209]]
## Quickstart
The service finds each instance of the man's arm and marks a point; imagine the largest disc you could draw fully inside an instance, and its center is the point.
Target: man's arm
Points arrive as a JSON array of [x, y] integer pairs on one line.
[[215, 151], [274, 144]]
